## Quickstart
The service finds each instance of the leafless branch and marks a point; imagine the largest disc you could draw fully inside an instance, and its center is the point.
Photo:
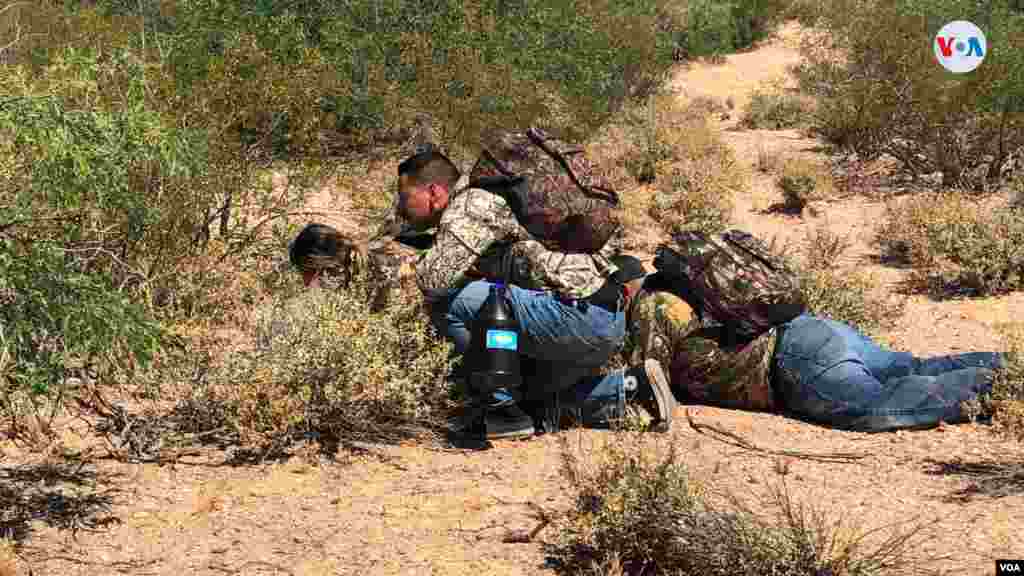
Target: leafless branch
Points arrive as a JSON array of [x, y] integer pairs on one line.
[[737, 440]]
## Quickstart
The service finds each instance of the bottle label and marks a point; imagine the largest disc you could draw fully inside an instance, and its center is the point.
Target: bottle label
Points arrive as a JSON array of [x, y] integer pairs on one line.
[[502, 340]]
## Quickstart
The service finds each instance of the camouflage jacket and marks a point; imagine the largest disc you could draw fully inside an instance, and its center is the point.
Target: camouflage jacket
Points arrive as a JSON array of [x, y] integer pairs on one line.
[[479, 237], [701, 368]]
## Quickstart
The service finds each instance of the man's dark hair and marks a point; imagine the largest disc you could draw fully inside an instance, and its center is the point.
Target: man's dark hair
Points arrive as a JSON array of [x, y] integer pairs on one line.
[[315, 248], [429, 166]]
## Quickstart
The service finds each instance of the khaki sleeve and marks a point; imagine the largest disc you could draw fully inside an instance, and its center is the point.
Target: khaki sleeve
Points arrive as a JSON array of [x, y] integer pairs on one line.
[[473, 222], [537, 268]]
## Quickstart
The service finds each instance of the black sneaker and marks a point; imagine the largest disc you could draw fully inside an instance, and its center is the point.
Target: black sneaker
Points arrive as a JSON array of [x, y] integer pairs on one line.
[[503, 421], [647, 386], [508, 421]]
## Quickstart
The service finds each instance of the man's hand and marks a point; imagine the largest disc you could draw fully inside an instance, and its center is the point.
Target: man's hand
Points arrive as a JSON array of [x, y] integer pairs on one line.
[[669, 262], [417, 240]]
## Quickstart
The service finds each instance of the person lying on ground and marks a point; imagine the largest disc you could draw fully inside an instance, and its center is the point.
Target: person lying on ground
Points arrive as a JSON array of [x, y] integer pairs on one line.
[[812, 368], [570, 307]]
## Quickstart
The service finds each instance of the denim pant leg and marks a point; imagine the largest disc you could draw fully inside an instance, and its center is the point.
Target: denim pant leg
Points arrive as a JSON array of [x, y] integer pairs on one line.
[[938, 365], [831, 374], [587, 400], [453, 317], [919, 392], [562, 337], [597, 401], [571, 344], [923, 401]]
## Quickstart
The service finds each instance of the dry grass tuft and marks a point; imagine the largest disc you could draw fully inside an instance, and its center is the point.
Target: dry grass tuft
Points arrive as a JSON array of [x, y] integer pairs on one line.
[[693, 172], [767, 161], [841, 293], [1006, 401], [775, 108], [638, 511], [671, 167]]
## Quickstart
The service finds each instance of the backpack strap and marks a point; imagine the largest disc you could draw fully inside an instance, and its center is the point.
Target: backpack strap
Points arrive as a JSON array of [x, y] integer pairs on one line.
[[513, 189]]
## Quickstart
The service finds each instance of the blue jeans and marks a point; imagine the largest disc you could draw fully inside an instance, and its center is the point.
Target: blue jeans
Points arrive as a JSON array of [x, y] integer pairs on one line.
[[828, 372], [562, 343]]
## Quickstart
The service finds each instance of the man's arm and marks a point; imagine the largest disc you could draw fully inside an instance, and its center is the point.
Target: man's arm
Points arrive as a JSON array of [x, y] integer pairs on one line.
[[538, 268], [473, 222], [414, 239]]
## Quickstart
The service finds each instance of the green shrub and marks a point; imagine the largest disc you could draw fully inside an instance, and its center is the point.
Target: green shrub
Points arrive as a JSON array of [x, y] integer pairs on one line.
[[716, 27], [710, 28], [801, 182], [756, 18], [774, 109], [83, 221], [112, 202], [954, 243], [320, 364], [884, 93], [639, 512], [319, 77], [806, 12], [1005, 402]]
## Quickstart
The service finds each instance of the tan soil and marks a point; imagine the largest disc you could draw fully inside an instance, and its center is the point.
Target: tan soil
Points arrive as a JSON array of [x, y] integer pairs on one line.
[[418, 509]]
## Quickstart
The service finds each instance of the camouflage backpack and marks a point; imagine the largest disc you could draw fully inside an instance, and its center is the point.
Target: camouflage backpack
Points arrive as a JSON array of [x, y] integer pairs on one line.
[[552, 188], [732, 279]]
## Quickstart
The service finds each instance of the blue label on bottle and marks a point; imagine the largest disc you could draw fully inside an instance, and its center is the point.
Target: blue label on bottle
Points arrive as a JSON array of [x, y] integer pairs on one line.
[[502, 340]]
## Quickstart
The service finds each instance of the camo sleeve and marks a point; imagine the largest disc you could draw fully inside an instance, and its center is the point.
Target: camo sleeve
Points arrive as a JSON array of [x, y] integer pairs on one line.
[[474, 221], [534, 267], [658, 322], [732, 377]]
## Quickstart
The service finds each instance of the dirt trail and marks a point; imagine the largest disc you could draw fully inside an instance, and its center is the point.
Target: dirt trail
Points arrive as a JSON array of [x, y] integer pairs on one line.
[[419, 510]]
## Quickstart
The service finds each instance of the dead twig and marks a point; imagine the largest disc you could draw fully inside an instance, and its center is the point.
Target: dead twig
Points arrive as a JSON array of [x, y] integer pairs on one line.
[[260, 563], [520, 537], [122, 566], [740, 442]]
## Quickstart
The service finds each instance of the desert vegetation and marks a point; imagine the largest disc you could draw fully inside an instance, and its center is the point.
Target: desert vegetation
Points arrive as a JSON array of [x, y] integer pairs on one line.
[[637, 510], [157, 156]]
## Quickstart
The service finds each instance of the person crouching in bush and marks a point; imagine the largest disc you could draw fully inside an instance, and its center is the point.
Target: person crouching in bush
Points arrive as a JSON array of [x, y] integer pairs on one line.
[[327, 259]]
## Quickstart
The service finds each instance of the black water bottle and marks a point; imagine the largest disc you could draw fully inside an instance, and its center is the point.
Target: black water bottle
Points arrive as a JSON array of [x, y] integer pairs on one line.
[[495, 345]]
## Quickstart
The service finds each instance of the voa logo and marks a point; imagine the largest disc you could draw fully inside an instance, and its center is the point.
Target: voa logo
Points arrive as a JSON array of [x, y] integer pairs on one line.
[[1004, 567], [960, 46]]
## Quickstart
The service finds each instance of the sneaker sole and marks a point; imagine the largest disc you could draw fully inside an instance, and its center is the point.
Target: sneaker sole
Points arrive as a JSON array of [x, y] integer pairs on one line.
[[662, 394], [521, 433]]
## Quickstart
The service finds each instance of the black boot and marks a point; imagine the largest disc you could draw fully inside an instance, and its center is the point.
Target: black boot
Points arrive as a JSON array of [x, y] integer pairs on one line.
[[648, 387]]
